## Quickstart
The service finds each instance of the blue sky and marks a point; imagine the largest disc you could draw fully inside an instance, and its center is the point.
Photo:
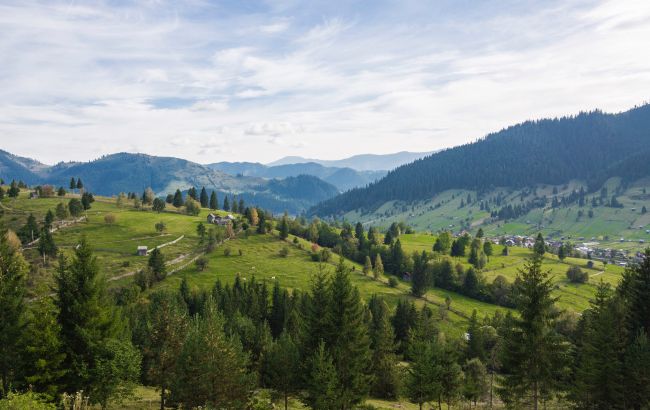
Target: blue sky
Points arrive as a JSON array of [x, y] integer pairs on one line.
[[255, 80]]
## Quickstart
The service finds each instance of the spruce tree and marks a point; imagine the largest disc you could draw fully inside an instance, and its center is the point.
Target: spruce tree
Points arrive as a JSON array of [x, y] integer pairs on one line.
[[178, 199], [347, 339], [379, 267], [281, 367], [85, 316], [423, 383], [322, 382], [419, 276], [385, 371], [283, 228], [204, 198], [43, 355], [214, 204], [166, 331], [367, 266], [13, 273], [212, 368], [46, 245], [30, 231], [157, 264], [226, 203], [533, 353], [540, 247], [73, 184], [80, 184]]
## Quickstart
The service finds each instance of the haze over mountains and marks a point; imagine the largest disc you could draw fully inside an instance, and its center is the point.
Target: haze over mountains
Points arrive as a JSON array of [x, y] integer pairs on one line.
[[363, 162]]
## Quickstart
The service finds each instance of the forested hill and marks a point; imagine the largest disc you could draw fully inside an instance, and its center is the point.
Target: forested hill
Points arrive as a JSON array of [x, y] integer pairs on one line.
[[550, 151]]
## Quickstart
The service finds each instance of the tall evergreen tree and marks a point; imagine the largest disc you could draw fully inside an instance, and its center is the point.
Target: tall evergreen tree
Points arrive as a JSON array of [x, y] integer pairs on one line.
[[214, 203], [283, 228], [85, 316], [166, 330], [533, 354], [73, 184], [348, 340], [178, 199], [156, 263], [226, 203], [13, 273], [322, 381], [204, 198], [281, 367], [212, 367], [540, 247], [419, 276], [386, 377]]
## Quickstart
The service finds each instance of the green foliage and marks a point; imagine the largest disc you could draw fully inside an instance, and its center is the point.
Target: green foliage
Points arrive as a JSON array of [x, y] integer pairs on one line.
[[576, 275], [281, 367], [75, 207], [115, 373], [157, 264], [211, 368], [322, 382], [158, 205], [13, 272], [533, 354], [192, 207], [25, 401]]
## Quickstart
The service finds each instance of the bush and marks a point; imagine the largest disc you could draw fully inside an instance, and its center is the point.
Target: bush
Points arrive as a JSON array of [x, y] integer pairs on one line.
[[576, 275], [226, 252], [284, 252], [160, 226], [295, 240], [192, 207], [241, 253], [392, 282], [25, 401], [590, 264], [110, 219], [323, 255], [201, 263]]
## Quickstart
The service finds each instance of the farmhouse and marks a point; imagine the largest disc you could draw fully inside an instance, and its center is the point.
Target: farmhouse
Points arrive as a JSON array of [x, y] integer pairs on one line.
[[142, 251], [220, 220]]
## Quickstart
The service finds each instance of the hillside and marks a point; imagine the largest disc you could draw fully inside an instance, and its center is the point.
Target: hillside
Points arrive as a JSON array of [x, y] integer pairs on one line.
[[551, 151], [342, 178], [125, 172]]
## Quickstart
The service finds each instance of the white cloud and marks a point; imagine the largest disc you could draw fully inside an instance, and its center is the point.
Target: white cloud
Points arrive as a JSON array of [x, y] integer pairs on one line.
[[325, 80]]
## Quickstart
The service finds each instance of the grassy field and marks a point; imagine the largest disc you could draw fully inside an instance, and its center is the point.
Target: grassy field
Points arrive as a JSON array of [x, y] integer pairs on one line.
[[607, 225], [115, 246]]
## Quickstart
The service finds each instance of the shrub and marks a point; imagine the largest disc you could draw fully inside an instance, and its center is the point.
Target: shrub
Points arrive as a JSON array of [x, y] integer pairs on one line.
[[160, 226], [25, 401], [226, 252], [590, 264], [295, 240], [576, 275], [192, 207], [201, 263], [284, 252], [241, 253], [392, 282], [110, 219]]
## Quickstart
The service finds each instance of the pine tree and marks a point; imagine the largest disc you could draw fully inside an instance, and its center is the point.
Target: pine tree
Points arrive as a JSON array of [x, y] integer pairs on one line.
[[533, 354], [540, 247], [46, 245], [214, 202], [279, 310], [284, 228], [43, 348], [212, 368], [347, 339], [157, 264], [167, 327], [61, 211], [315, 314], [178, 199], [322, 382], [13, 190], [234, 206], [386, 377], [367, 266], [379, 267], [423, 383], [13, 273], [261, 226], [443, 243], [599, 377], [419, 276], [73, 184], [637, 281], [75, 207], [49, 219], [204, 198], [475, 386], [30, 231], [85, 316], [80, 184], [226, 203], [281, 367]]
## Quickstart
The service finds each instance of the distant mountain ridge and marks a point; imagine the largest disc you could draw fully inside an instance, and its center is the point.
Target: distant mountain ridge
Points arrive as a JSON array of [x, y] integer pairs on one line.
[[363, 162], [127, 172], [342, 178], [550, 151]]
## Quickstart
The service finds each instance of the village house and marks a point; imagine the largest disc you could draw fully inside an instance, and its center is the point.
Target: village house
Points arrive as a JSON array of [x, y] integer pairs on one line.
[[142, 250], [220, 220]]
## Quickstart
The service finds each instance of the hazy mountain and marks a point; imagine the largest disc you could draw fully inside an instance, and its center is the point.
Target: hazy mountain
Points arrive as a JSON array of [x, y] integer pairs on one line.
[[364, 162], [551, 151], [124, 172], [342, 178]]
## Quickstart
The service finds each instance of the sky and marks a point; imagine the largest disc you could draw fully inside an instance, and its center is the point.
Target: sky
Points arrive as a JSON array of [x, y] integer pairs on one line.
[[246, 80]]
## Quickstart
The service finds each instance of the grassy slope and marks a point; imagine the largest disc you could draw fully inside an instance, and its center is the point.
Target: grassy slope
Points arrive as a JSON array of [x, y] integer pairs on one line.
[[607, 226]]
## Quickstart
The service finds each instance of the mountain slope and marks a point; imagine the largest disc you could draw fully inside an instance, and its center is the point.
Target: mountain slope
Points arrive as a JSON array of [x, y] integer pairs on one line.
[[364, 162], [125, 172], [551, 151], [342, 178]]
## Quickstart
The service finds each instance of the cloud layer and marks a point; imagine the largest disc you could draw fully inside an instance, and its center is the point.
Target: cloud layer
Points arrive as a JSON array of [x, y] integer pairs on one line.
[[255, 80]]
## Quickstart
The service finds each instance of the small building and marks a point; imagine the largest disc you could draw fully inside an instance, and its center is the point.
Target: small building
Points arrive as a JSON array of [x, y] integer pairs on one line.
[[219, 220], [142, 250], [212, 218]]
